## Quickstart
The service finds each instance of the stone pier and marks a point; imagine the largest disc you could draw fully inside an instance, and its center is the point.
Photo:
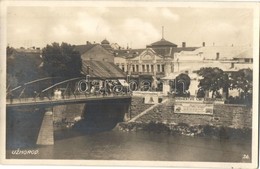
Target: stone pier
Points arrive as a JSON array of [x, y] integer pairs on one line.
[[46, 134]]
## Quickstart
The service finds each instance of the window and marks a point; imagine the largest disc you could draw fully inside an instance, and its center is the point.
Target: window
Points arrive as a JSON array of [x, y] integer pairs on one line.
[[137, 68], [123, 67], [133, 67], [147, 68], [162, 68], [247, 60], [158, 68], [143, 68], [152, 68]]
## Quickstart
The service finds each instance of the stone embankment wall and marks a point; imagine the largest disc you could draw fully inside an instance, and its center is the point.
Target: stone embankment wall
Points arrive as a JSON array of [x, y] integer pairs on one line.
[[235, 116], [138, 106], [227, 121]]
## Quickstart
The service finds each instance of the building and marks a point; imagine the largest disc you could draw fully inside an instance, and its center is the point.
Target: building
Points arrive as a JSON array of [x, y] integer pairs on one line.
[[157, 59], [96, 51], [227, 58], [98, 61]]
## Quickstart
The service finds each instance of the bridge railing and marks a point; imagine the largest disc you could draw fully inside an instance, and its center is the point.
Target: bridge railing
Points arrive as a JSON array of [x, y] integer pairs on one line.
[[65, 97]]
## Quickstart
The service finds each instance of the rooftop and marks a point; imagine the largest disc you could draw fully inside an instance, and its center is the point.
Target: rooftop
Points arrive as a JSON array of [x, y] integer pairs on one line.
[[105, 42], [84, 48], [162, 43], [101, 69], [128, 53]]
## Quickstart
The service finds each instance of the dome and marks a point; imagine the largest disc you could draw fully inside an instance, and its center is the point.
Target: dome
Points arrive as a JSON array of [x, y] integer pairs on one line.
[[162, 43], [105, 42]]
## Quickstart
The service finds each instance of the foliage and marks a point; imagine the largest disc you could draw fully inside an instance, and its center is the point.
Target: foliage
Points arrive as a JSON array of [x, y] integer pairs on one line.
[[22, 67], [213, 80], [242, 80], [201, 93], [61, 60]]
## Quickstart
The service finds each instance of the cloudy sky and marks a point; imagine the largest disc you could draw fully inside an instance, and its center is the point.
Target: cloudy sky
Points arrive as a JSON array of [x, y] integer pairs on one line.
[[135, 26]]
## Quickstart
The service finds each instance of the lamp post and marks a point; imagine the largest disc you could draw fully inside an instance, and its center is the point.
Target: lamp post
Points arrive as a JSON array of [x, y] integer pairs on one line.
[[127, 80]]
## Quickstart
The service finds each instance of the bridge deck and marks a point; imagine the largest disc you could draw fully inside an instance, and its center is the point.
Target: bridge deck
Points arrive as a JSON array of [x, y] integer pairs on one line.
[[61, 101]]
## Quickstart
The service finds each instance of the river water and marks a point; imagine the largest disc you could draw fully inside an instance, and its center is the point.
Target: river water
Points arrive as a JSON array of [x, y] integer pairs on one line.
[[118, 145]]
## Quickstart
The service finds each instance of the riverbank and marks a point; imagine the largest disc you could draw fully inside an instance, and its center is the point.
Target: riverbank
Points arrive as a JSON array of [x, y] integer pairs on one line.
[[187, 130]]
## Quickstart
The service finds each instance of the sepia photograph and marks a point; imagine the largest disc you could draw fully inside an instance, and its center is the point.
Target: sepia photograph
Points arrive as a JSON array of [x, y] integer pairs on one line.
[[127, 83]]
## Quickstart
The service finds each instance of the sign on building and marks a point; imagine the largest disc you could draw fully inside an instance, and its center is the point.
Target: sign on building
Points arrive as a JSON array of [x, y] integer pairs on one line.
[[193, 108]]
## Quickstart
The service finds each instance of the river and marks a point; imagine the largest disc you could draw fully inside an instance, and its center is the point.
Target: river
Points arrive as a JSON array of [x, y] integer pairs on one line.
[[118, 145]]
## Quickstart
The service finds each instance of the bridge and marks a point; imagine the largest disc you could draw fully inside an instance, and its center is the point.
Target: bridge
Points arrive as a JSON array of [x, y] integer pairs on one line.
[[95, 95], [62, 101], [69, 95]]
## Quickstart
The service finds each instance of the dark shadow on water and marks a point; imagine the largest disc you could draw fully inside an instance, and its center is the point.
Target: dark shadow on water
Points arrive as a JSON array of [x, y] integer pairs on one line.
[[84, 127], [98, 117], [22, 127]]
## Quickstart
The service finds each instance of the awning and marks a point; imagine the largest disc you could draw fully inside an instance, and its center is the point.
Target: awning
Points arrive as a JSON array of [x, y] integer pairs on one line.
[[123, 82]]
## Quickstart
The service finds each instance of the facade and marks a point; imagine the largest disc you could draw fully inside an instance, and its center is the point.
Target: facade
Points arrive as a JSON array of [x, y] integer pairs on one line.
[[146, 63], [226, 58], [156, 60], [229, 59]]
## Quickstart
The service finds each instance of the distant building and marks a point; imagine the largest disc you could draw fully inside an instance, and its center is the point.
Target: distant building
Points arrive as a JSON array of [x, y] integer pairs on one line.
[[96, 51], [227, 58], [98, 60]]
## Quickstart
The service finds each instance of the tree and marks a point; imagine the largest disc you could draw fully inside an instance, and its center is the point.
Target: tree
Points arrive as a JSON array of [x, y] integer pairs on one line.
[[61, 60], [242, 80], [213, 80], [24, 66]]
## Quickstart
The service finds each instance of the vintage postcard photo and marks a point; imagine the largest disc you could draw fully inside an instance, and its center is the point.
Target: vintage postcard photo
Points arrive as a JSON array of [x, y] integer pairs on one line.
[[129, 83]]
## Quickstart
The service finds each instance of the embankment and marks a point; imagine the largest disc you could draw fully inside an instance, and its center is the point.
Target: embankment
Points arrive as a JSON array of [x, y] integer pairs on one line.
[[226, 121]]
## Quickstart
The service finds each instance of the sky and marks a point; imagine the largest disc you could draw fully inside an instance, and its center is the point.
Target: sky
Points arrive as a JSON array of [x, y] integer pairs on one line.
[[132, 26]]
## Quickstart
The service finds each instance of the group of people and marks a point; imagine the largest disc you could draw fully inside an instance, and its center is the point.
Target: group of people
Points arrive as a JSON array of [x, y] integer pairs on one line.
[[57, 94]]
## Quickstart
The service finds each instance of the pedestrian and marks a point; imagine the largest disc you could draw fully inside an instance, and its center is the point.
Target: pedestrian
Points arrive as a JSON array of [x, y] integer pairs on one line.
[[35, 95]]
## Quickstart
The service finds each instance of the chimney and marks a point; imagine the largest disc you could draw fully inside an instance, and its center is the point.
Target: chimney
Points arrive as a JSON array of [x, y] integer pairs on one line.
[[88, 43], [217, 56], [184, 44], [203, 44]]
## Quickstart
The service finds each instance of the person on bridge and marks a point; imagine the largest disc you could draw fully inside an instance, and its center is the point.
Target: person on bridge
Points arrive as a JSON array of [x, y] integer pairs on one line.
[[35, 95]]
